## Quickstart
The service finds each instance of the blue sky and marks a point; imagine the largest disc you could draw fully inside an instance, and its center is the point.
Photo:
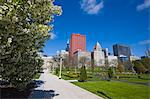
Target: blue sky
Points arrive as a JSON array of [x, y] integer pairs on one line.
[[108, 22]]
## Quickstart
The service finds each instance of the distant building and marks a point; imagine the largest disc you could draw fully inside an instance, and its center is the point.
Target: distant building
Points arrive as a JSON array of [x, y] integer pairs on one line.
[[142, 57], [106, 53], [63, 53], [119, 50], [112, 61], [47, 61], [67, 47], [82, 54], [134, 58], [98, 56], [77, 43], [123, 58], [123, 52]]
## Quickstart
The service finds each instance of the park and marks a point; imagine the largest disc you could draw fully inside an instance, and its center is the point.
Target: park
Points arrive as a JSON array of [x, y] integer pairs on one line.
[[75, 49]]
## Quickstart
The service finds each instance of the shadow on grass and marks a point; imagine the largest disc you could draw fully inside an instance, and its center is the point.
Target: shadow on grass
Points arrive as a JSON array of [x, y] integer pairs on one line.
[[102, 93]]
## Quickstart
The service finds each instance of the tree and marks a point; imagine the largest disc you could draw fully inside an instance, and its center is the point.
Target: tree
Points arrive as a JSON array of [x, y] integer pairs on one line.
[[84, 61], [66, 61], [146, 63], [138, 67], [110, 72], [83, 74], [23, 31], [120, 67], [128, 66]]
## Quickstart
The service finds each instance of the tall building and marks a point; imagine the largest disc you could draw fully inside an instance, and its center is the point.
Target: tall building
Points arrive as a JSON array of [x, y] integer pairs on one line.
[[120, 50], [106, 53], [77, 43], [98, 56], [67, 47], [123, 52], [82, 54]]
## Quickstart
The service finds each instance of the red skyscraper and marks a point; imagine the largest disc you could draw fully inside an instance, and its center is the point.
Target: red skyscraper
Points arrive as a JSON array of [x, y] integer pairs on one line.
[[77, 42]]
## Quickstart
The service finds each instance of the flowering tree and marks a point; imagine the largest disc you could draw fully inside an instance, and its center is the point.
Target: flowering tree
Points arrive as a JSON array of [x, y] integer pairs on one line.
[[23, 31]]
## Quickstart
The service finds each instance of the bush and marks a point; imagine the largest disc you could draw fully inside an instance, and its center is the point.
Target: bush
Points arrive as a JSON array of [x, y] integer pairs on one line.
[[110, 72], [57, 71], [139, 68], [146, 63], [83, 74]]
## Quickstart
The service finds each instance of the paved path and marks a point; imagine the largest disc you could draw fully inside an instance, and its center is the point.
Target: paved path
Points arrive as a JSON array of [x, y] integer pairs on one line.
[[54, 88]]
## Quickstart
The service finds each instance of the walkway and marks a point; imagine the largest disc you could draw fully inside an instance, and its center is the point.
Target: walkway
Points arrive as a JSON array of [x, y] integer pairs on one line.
[[53, 88]]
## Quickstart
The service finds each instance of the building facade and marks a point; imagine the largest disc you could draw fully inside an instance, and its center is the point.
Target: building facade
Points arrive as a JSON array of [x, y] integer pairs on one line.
[[134, 58], [82, 56], [123, 52], [98, 56], [119, 49], [77, 43], [112, 61]]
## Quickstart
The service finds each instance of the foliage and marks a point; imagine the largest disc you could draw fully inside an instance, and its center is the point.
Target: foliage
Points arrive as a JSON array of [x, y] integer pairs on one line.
[[83, 74], [23, 31], [146, 63], [139, 67], [110, 72], [120, 67], [57, 71], [37, 76], [84, 61], [128, 66]]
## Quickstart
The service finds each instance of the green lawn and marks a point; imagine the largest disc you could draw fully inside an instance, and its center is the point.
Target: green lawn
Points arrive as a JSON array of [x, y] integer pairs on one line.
[[123, 77], [116, 90], [135, 80], [144, 78]]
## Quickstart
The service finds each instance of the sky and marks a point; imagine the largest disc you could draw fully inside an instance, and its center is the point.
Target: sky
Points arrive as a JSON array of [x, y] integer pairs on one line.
[[106, 21]]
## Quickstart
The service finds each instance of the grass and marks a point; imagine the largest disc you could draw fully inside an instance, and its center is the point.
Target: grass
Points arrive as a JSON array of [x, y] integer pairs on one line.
[[116, 90], [144, 78]]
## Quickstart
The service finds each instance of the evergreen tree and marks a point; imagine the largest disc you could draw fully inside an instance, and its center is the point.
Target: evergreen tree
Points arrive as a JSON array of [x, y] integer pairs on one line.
[[110, 72], [23, 31], [83, 74]]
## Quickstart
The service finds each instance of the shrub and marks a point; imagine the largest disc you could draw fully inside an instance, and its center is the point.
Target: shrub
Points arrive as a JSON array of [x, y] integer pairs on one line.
[[110, 72], [57, 71], [83, 74], [139, 68]]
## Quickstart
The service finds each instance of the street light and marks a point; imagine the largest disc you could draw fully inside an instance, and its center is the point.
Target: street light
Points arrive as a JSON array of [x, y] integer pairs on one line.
[[60, 67]]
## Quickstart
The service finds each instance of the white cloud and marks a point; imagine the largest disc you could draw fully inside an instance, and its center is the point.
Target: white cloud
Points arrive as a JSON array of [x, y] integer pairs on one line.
[[91, 6], [143, 6], [52, 36], [144, 42]]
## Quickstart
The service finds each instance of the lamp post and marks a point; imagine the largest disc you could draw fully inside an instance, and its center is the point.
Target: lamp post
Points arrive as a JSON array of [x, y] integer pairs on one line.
[[60, 67]]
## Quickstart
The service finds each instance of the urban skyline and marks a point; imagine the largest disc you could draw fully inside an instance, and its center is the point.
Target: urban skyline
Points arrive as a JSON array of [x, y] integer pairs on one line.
[[128, 24]]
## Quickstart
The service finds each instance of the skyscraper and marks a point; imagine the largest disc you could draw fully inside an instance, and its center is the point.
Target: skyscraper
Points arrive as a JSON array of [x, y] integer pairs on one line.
[[121, 50], [77, 43], [98, 55], [67, 47]]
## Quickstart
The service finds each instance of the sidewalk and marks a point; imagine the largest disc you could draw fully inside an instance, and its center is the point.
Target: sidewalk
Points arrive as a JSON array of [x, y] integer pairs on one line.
[[54, 88]]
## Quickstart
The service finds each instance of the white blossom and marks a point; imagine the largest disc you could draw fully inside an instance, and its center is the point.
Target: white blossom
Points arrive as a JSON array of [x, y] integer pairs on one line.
[[9, 40]]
